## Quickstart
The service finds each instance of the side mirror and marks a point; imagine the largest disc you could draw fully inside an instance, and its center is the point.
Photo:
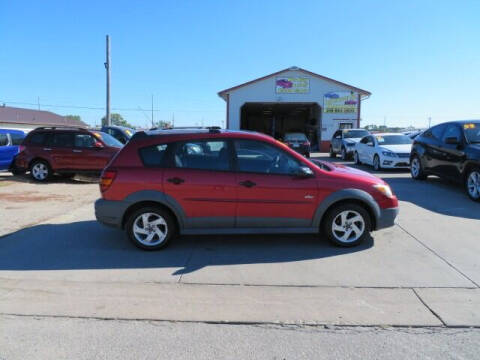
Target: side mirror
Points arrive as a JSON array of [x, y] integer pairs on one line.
[[452, 140], [304, 172]]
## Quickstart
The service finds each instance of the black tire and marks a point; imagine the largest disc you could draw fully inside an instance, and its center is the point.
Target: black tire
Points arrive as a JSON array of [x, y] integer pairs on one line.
[[378, 166], [307, 155], [417, 173], [16, 171], [344, 154], [169, 227], [40, 170], [354, 210], [473, 180], [356, 159], [332, 154]]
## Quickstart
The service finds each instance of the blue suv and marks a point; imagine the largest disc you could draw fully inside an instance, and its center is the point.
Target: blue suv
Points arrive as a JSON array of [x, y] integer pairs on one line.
[[10, 141]]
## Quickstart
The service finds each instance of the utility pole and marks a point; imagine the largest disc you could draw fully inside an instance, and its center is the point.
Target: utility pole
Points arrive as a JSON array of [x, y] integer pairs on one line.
[[152, 112], [173, 120], [107, 67], [38, 101], [429, 121]]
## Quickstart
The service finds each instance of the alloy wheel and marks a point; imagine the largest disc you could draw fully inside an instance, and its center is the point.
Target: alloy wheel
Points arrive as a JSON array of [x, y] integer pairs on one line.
[[415, 167], [376, 163], [40, 171], [348, 226], [473, 184], [150, 229]]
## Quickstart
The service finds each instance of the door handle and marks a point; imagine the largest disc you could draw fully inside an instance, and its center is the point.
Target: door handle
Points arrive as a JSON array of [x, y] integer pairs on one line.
[[248, 183], [176, 180], [47, 149], [77, 151]]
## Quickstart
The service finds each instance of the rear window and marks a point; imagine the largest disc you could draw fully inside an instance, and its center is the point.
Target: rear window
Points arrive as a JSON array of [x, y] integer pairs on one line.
[[109, 140], [295, 137], [17, 138], [154, 155], [38, 138], [3, 140]]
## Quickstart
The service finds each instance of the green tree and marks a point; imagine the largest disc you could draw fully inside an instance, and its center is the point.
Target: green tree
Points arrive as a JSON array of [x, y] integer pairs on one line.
[[116, 119], [73, 117], [162, 124]]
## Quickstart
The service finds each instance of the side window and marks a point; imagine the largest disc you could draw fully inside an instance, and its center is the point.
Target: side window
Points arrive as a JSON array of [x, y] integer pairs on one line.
[[38, 139], [154, 155], [17, 139], [84, 141], [258, 157], [62, 140], [3, 140], [452, 131], [370, 141], [338, 135], [202, 155], [365, 140], [437, 131], [117, 134]]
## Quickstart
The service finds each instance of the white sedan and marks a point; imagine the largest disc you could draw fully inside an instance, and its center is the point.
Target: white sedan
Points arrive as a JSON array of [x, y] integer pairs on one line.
[[384, 151]]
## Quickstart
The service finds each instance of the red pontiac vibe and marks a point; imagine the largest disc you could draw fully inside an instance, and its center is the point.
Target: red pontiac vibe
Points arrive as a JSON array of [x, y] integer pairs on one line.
[[209, 181]]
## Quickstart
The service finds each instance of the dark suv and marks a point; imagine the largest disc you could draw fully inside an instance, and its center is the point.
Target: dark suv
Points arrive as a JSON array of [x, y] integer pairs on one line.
[[65, 151], [121, 133], [171, 182], [450, 150]]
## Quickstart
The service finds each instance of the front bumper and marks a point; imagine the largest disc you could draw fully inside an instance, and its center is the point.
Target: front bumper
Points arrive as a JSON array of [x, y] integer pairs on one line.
[[395, 163], [110, 212], [386, 218]]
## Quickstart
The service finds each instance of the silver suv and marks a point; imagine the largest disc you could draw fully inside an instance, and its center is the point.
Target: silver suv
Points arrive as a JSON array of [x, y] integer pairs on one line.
[[344, 140]]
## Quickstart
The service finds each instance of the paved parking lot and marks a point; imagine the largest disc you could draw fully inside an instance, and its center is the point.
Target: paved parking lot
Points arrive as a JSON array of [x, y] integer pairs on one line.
[[56, 260]]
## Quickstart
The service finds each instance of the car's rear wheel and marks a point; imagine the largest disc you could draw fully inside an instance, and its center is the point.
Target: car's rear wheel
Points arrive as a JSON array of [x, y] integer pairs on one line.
[[150, 228], [332, 153], [40, 170], [416, 169], [307, 155], [356, 159], [344, 154], [472, 184], [347, 225], [376, 163]]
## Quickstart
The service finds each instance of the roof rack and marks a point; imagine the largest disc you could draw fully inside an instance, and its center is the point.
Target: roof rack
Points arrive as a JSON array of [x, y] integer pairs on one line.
[[212, 129], [61, 127]]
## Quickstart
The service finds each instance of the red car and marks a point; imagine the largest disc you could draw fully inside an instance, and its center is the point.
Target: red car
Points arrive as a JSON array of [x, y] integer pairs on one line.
[[66, 151], [235, 183]]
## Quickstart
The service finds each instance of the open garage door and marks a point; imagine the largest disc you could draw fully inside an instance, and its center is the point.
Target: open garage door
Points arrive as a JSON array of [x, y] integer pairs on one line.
[[276, 119]]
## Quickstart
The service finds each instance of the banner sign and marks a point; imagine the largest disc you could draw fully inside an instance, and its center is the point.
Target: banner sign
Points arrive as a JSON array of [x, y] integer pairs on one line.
[[292, 85], [340, 102]]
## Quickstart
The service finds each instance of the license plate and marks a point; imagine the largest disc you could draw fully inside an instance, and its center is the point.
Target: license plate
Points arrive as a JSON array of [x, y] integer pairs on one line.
[[296, 145]]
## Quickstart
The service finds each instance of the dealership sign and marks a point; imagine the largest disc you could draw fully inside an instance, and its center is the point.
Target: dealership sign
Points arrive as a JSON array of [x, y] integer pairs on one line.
[[292, 85], [340, 102]]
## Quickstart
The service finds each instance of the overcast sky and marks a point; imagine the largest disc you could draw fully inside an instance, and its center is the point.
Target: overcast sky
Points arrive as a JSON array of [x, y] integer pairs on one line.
[[417, 58]]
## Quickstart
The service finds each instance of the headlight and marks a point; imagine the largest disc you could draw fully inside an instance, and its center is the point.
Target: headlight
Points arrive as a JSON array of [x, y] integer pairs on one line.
[[389, 153], [384, 189]]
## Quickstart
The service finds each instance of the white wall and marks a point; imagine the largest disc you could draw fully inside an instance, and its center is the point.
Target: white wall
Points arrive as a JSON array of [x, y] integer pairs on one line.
[[264, 91], [24, 127]]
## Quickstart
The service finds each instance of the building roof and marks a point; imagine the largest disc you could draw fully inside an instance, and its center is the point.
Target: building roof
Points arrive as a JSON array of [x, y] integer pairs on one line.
[[14, 115], [223, 93]]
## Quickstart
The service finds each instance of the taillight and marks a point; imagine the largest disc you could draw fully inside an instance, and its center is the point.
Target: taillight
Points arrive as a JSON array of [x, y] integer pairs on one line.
[[106, 180]]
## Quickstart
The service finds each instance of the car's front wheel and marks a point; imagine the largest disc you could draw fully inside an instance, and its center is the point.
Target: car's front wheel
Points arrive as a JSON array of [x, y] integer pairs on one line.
[[416, 169], [332, 153], [344, 154], [150, 228], [356, 158], [376, 163], [307, 155], [472, 184], [347, 224], [40, 170]]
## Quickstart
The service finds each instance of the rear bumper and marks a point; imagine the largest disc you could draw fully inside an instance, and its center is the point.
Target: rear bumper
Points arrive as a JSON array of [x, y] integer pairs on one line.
[[302, 149], [386, 218], [110, 212]]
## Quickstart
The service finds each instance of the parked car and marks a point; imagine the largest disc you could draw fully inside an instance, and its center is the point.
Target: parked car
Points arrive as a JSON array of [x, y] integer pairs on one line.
[[452, 151], [121, 133], [298, 142], [344, 140], [240, 183], [66, 151], [384, 150], [413, 134], [10, 141]]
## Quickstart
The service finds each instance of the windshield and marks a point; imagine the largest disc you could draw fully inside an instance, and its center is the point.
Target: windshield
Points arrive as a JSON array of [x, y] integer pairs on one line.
[[472, 132], [393, 139], [348, 134], [109, 140], [295, 137]]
